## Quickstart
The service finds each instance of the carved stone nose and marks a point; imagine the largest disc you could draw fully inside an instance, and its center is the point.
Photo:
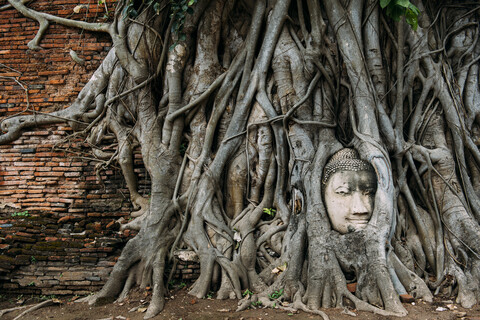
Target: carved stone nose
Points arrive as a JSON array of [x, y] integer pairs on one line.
[[358, 204]]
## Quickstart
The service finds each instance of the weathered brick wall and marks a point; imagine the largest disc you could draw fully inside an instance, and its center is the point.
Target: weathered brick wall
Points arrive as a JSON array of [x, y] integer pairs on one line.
[[57, 234], [56, 222]]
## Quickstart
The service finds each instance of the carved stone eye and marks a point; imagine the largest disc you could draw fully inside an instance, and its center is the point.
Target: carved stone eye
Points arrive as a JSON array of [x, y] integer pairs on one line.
[[342, 191], [368, 192]]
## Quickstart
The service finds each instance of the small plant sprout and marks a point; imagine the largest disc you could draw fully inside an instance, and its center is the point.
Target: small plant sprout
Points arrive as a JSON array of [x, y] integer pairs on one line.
[[395, 9], [247, 293], [270, 211], [20, 214], [256, 303], [276, 294]]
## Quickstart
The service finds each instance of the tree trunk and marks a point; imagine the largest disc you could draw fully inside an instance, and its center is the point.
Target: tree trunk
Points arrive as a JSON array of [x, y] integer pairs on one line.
[[238, 106]]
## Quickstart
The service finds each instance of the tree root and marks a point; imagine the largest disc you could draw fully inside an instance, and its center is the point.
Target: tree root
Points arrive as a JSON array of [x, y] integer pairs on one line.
[[263, 301], [5, 311], [35, 307]]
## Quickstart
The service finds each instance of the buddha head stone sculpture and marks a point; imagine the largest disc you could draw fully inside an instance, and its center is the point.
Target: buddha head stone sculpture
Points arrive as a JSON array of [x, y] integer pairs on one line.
[[349, 186]]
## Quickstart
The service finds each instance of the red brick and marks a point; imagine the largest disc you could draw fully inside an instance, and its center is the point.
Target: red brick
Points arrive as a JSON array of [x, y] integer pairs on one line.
[[51, 164], [9, 173], [37, 133], [28, 164], [38, 208], [406, 298], [20, 168], [33, 191], [72, 174], [28, 202], [56, 81], [54, 72], [65, 219], [12, 183], [352, 287], [33, 200], [24, 234], [49, 154], [49, 174], [19, 196]]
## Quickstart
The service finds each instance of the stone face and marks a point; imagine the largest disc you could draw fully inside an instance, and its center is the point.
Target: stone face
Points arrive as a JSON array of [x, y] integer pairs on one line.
[[349, 187], [349, 198]]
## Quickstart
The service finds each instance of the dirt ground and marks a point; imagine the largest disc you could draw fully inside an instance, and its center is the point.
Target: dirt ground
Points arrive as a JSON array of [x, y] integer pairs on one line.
[[182, 306]]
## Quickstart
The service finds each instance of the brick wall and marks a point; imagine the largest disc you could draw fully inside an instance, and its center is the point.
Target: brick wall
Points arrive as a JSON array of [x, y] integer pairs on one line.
[[57, 234]]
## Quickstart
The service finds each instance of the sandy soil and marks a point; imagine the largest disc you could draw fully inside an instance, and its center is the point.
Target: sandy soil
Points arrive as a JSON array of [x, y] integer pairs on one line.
[[186, 307]]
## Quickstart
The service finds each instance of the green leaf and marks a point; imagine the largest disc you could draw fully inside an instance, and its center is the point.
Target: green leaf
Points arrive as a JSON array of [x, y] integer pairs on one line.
[[156, 7], [412, 19], [247, 293], [414, 9], [403, 3], [269, 211], [175, 26], [384, 3], [191, 2], [395, 12]]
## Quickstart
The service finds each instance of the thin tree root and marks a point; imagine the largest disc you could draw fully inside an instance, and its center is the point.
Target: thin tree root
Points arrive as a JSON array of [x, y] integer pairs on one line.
[[36, 307]]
